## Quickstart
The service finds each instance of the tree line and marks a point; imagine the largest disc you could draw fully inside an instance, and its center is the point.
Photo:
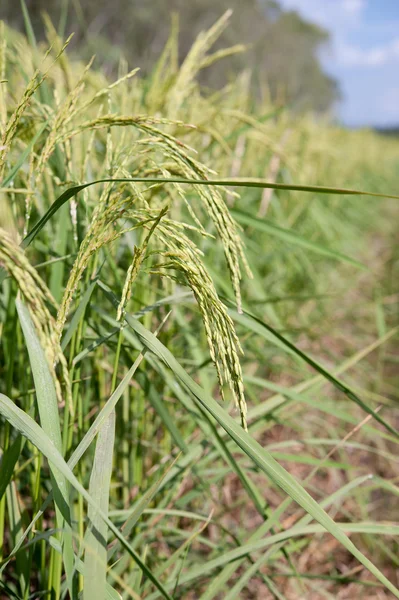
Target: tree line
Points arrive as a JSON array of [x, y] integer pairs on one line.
[[283, 49]]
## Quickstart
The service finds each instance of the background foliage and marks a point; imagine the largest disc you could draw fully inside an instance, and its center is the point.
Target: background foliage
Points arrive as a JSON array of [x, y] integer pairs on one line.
[[283, 49]]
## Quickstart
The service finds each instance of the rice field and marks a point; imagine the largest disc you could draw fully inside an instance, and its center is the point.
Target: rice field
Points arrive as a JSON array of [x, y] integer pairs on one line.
[[199, 333]]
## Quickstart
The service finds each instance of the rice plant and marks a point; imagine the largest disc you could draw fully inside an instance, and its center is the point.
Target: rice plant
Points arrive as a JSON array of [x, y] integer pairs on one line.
[[198, 321]]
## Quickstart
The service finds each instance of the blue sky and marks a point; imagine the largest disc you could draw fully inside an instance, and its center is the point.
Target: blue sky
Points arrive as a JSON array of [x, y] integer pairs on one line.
[[363, 55]]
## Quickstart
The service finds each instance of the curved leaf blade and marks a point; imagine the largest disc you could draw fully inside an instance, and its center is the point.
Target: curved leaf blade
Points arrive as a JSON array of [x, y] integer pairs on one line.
[[261, 457], [35, 434], [254, 183]]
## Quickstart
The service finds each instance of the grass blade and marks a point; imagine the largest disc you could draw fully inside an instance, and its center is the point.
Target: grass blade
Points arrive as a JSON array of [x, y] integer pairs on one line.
[[78, 314], [35, 434], [23, 157], [251, 183], [260, 327], [288, 236], [253, 450], [84, 443], [141, 506], [95, 564], [28, 25], [386, 529], [8, 462], [49, 417]]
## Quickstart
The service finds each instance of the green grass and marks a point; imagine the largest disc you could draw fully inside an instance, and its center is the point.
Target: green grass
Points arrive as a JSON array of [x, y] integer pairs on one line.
[[198, 386]]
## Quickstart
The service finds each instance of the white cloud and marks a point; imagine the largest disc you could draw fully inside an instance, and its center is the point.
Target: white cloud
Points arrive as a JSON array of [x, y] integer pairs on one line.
[[345, 19], [353, 7], [351, 56], [363, 55], [332, 14]]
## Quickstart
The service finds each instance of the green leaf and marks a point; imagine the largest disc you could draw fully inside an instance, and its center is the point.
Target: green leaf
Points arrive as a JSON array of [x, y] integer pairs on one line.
[[253, 450], [49, 418], [270, 334], [23, 157], [95, 344], [84, 443], [262, 531], [95, 564], [78, 314], [140, 506], [16, 532], [8, 462], [28, 25], [255, 183], [35, 434], [289, 236], [387, 529]]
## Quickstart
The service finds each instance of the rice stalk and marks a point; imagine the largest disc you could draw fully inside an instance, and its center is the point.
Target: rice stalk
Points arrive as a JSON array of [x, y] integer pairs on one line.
[[37, 296]]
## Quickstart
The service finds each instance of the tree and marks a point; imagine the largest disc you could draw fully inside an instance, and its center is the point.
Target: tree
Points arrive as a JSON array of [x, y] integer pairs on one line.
[[283, 48]]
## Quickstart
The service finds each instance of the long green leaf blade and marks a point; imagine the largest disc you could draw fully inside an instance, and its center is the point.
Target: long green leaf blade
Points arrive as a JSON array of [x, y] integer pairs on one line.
[[254, 183], [95, 569], [49, 417], [271, 334], [33, 432], [289, 236], [253, 450]]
